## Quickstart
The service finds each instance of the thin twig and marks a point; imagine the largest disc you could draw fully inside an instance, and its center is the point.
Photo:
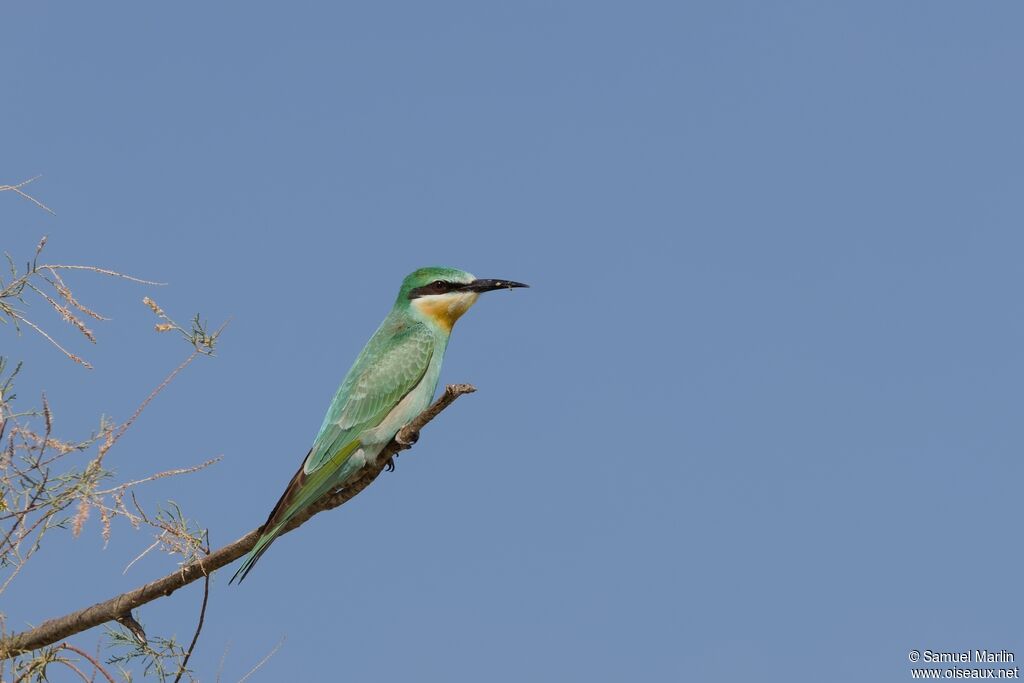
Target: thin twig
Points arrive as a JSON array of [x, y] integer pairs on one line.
[[145, 552], [53, 341], [134, 627], [17, 190], [112, 439], [92, 660], [202, 616], [262, 661], [159, 475], [220, 667], [102, 271], [71, 665]]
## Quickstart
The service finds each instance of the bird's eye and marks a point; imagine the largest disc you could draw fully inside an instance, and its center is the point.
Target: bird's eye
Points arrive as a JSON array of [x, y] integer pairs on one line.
[[439, 284]]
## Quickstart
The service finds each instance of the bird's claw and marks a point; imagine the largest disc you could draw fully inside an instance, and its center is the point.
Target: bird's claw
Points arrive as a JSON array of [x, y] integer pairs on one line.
[[407, 440], [389, 466]]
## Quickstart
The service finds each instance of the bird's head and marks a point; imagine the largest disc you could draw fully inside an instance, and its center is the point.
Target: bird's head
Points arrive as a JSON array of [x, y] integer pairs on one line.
[[442, 295]]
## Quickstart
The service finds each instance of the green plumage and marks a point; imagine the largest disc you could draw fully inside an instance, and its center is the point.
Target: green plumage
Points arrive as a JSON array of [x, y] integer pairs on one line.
[[389, 367], [393, 380]]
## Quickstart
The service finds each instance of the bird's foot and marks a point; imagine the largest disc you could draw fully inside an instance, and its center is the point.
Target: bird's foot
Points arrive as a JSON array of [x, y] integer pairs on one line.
[[407, 439], [389, 466]]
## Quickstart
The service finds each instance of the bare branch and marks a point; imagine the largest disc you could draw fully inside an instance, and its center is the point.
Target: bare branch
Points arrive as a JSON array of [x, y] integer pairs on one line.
[[202, 617], [17, 190], [80, 361], [120, 488], [71, 665], [115, 435], [53, 267], [56, 629], [263, 661], [92, 660]]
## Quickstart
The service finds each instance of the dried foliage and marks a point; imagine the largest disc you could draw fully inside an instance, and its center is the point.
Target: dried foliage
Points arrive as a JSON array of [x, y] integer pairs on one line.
[[55, 484], [49, 483], [45, 281]]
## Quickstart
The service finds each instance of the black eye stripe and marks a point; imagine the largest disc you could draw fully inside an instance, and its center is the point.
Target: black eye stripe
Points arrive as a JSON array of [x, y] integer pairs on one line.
[[435, 287]]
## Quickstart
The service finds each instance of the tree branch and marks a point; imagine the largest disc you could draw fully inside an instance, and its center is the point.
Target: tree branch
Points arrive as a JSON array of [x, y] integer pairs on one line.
[[17, 189], [51, 631]]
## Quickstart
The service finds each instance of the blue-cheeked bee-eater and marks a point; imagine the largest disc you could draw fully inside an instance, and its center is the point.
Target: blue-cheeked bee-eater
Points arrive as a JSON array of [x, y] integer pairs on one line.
[[392, 381]]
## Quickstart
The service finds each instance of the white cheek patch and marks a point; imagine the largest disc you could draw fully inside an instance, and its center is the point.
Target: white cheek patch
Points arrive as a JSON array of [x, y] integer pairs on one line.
[[460, 302]]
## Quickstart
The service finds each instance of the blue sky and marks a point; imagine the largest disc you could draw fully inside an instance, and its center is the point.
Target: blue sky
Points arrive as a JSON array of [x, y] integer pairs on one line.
[[757, 417]]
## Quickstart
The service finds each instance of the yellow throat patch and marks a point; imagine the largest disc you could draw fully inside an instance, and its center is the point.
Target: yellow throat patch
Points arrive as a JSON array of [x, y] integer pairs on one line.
[[445, 309]]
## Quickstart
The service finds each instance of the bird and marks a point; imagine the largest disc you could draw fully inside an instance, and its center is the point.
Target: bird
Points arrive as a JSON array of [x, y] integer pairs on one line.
[[392, 381]]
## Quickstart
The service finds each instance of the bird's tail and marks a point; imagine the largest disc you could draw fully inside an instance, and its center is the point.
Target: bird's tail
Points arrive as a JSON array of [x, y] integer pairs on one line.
[[266, 538], [272, 528], [303, 490]]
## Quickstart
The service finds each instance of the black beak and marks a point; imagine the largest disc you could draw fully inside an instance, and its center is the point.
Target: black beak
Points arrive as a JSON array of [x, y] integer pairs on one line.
[[489, 285]]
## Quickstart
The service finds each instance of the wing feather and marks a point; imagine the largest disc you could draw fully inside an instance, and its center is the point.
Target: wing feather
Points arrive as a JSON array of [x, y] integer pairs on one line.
[[391, 366]]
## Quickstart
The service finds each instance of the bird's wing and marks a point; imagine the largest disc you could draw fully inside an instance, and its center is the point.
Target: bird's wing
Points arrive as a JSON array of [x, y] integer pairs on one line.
[[387, 370], [390, 366]]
